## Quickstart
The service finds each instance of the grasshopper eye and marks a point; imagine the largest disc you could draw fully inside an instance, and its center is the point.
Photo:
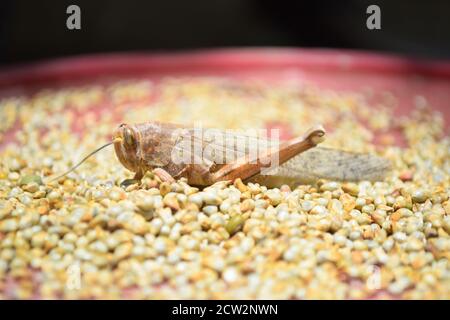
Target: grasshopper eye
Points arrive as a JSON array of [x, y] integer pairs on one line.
[[129, 138]]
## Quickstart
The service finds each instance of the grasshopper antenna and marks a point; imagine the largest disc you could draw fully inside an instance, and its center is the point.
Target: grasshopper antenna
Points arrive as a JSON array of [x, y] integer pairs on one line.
[[83, 160]]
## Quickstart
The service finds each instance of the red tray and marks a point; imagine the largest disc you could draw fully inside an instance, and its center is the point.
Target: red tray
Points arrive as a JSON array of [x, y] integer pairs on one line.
[[405, 78]]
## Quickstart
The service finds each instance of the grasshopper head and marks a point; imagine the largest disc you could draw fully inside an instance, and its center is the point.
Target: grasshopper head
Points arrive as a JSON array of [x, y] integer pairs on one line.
[[126, 142]]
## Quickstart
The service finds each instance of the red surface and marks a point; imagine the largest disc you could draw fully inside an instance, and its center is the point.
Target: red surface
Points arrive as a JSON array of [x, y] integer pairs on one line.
[[334, 69]]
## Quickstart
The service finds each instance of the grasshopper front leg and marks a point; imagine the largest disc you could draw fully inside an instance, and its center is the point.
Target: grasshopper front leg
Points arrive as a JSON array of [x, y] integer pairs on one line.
[[244, 168], [138, 176], [163, 175]]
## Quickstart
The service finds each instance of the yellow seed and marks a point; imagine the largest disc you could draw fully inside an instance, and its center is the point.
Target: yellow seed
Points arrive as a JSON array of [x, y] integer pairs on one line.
[[165, 188], [351, 188], [240, 185]]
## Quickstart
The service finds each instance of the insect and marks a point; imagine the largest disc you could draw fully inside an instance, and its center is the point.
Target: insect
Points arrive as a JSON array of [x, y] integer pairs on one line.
[[160, 146]]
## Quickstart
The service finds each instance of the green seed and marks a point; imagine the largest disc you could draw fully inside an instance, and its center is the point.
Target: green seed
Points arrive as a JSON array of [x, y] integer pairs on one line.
[[32, 178], [234, 224]]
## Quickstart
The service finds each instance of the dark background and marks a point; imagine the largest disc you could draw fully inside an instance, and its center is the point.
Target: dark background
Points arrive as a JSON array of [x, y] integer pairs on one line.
[[35, 30]]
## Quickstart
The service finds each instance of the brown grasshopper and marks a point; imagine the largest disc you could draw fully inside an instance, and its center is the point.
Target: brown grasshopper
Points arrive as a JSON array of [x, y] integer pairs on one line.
[[153, 145]]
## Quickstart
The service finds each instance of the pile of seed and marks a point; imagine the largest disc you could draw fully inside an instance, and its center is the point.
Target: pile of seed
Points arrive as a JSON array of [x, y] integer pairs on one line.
[[88, 235]]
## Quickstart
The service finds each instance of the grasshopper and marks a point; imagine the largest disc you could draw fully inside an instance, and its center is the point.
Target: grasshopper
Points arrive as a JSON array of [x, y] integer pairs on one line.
[[155, 146]]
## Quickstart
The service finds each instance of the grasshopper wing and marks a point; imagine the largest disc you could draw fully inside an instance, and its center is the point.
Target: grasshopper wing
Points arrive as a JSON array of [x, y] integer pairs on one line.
[[326, 163]]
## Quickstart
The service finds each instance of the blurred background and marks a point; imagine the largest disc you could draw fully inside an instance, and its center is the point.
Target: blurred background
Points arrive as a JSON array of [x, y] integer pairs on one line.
[[36, 30]]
